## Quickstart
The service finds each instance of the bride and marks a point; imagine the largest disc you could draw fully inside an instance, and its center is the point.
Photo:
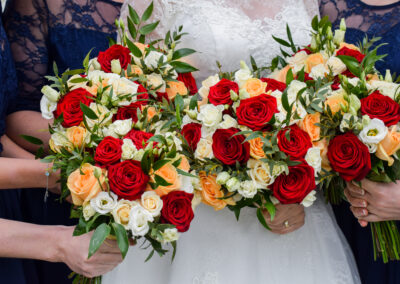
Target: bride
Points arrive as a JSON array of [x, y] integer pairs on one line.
[[217, 248]]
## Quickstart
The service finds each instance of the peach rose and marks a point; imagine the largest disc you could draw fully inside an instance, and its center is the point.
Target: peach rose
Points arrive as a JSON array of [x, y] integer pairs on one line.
[[372, 77], [281, 75], [254, 87], [256, 150], [169, 174], [76, 135], [135, 71], [308, 125], [151, 111], [174, 88], [184, 165], [141, 46], [84, 187], [323, 145], [314, 60], [349, 45], [211, 191], [93, 89], [389, 145], [335, 101]]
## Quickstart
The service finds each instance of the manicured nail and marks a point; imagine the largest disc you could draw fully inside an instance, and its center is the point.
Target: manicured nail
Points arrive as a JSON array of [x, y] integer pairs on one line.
[[362, 191]]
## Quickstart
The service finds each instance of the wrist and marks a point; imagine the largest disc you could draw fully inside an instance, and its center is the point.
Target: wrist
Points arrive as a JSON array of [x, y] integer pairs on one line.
[[60, 239]]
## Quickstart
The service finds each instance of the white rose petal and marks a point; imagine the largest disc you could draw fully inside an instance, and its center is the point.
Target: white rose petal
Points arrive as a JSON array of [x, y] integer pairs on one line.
[[313, 159], [88, 211], [138, 220], [204, 149], [386, 88], [104, 202], [260, 173], [47, 108], [122, 127], [210, 81], [248, 189], [336, 65], [374, 132], [309, 199], [210, 115], [233, 184], [128, 150], [228, 122], [152, 59], [223, 177], [319, 71], [156, 81], [170, 235], [298, 61], [152, 203]]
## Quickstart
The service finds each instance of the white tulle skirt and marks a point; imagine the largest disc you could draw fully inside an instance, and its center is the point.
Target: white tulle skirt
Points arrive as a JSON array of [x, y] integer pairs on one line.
[[218, 249]]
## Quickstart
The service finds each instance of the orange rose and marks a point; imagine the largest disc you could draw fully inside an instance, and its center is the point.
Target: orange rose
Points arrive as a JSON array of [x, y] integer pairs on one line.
[[349, 45], [308, 125], [184, 165], [169, 174], [254, 87], [314, 60], [141, 46], [323, 145], [372, 77], [389, 145], [281, 75], [256, 150], [84, 187], [335, 102], [135, 71], [93, 89], [174, 88], [76, 135], [211, 191], [151, 112]]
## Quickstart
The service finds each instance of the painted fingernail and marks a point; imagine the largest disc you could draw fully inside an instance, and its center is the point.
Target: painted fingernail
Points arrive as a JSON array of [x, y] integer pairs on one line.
[[362, 192], [364, 212], [364, 204]]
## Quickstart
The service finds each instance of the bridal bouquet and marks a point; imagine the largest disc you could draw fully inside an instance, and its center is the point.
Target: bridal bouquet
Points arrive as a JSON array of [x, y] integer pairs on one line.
[[126, 177], [355, 112], [241, 152]]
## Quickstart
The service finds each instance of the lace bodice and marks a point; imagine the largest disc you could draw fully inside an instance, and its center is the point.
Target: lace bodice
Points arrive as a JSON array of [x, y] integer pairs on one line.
[[8, 80], [375, 21], [231, 30], [44, 31]]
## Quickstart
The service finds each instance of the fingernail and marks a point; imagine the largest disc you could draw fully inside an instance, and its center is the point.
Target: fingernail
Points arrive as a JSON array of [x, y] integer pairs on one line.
[[364, 212], [362, 192], [364, 204]]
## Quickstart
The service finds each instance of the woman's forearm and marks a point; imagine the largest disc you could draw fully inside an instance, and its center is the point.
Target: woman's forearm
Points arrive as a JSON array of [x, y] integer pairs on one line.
[[24, 173], [12, 150], [28, 123], [24, 240]]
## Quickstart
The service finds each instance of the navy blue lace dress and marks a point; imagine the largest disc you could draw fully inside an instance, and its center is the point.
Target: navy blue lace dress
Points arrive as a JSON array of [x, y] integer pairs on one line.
[[373, 21], [42, 32]]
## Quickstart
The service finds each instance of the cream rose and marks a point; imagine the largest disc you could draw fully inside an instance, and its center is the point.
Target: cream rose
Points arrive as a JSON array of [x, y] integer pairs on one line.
[[122, 211], [47, 107], [204, 149], [260, 173], [155, 81], [210, 115], [152, 202]]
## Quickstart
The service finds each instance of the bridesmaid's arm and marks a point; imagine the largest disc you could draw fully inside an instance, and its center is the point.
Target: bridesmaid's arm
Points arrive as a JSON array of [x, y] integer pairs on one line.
[[12, 150], [56, 244]]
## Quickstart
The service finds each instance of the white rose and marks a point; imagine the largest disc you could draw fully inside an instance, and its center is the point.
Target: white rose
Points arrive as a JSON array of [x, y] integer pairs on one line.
[[152, 202], [128, 150], [170, 235], [104, 116], [298, 61], [109, 131], [121, 212], [204, 149], [336, 65], [309, 199], [319, 71], [104, 202], [138, 156], [138, 220], [51, 94], [172, 136], [88, 211], [243, 74], [228, 122], [386, 88], [156, 81], [210, 81], [186, 120], [353, 81], [210, 115], [47, 107], [233, 184], [203, 92], [248, 189], [97, 76], [259, 173], [339, 37], [94, 64], [294, 88], [313, 159], [187, 183], [124, 91], [152, 59], [60, 139], [374, 133], [122, 127], [223, 177], [116, 66]]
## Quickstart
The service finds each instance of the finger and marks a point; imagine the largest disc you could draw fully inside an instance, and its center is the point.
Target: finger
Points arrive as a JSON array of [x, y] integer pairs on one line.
[[355, 190], [106, 258], [371, 218], [359, 212], [356, 202], [363, 223], [369, 186], [109, 246]]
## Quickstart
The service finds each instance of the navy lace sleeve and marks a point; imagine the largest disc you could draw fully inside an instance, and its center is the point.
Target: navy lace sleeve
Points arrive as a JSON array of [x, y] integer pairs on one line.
[[63, 31], [374, 21]]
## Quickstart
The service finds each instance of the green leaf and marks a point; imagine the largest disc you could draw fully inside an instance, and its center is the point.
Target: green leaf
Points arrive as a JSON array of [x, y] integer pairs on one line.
[[32, 139], [270, 208], [352, 64], [193, 102], [289, 34], [55, 69], [145, 30], [285, 101], [261, 218], [131, 28], [133, 15], [147, 13], [174, 250], [79, 80], [289, 77], [86, 60], [181, 172], [149, 256], [281, 41], [159, 164], [160, 181], [98, 238], [88, 112], [122, 238], [314, 23], [145, 163], [182, 67], [179, 104], [182, 53], [133, 48]]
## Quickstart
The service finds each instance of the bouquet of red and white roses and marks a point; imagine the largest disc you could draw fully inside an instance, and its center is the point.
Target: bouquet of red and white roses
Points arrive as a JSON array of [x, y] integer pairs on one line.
[[127, 179], [353, 112]]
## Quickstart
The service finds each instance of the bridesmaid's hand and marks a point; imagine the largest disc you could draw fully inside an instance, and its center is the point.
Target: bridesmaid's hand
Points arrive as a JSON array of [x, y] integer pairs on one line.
[[374, 202], [288, 218]]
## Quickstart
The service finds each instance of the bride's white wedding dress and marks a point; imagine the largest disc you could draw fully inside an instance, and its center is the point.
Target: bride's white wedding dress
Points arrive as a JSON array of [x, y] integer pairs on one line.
[[217, 248]]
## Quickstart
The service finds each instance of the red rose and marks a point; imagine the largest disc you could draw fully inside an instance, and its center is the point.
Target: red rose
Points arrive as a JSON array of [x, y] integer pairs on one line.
[[230, 149], [108, 151], [348, 74], [256, 112], [273, 85], [189, 81], [70, 107], [161, 96], [307, 77], [293, 188], [177, 210], [351, 52], [220, 93], [127, 180], [192, 134], [143, 95], [116, 51], [306, 50], [298, 144], [139, 137], [382, 107], [349, 157], [128, 112]]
